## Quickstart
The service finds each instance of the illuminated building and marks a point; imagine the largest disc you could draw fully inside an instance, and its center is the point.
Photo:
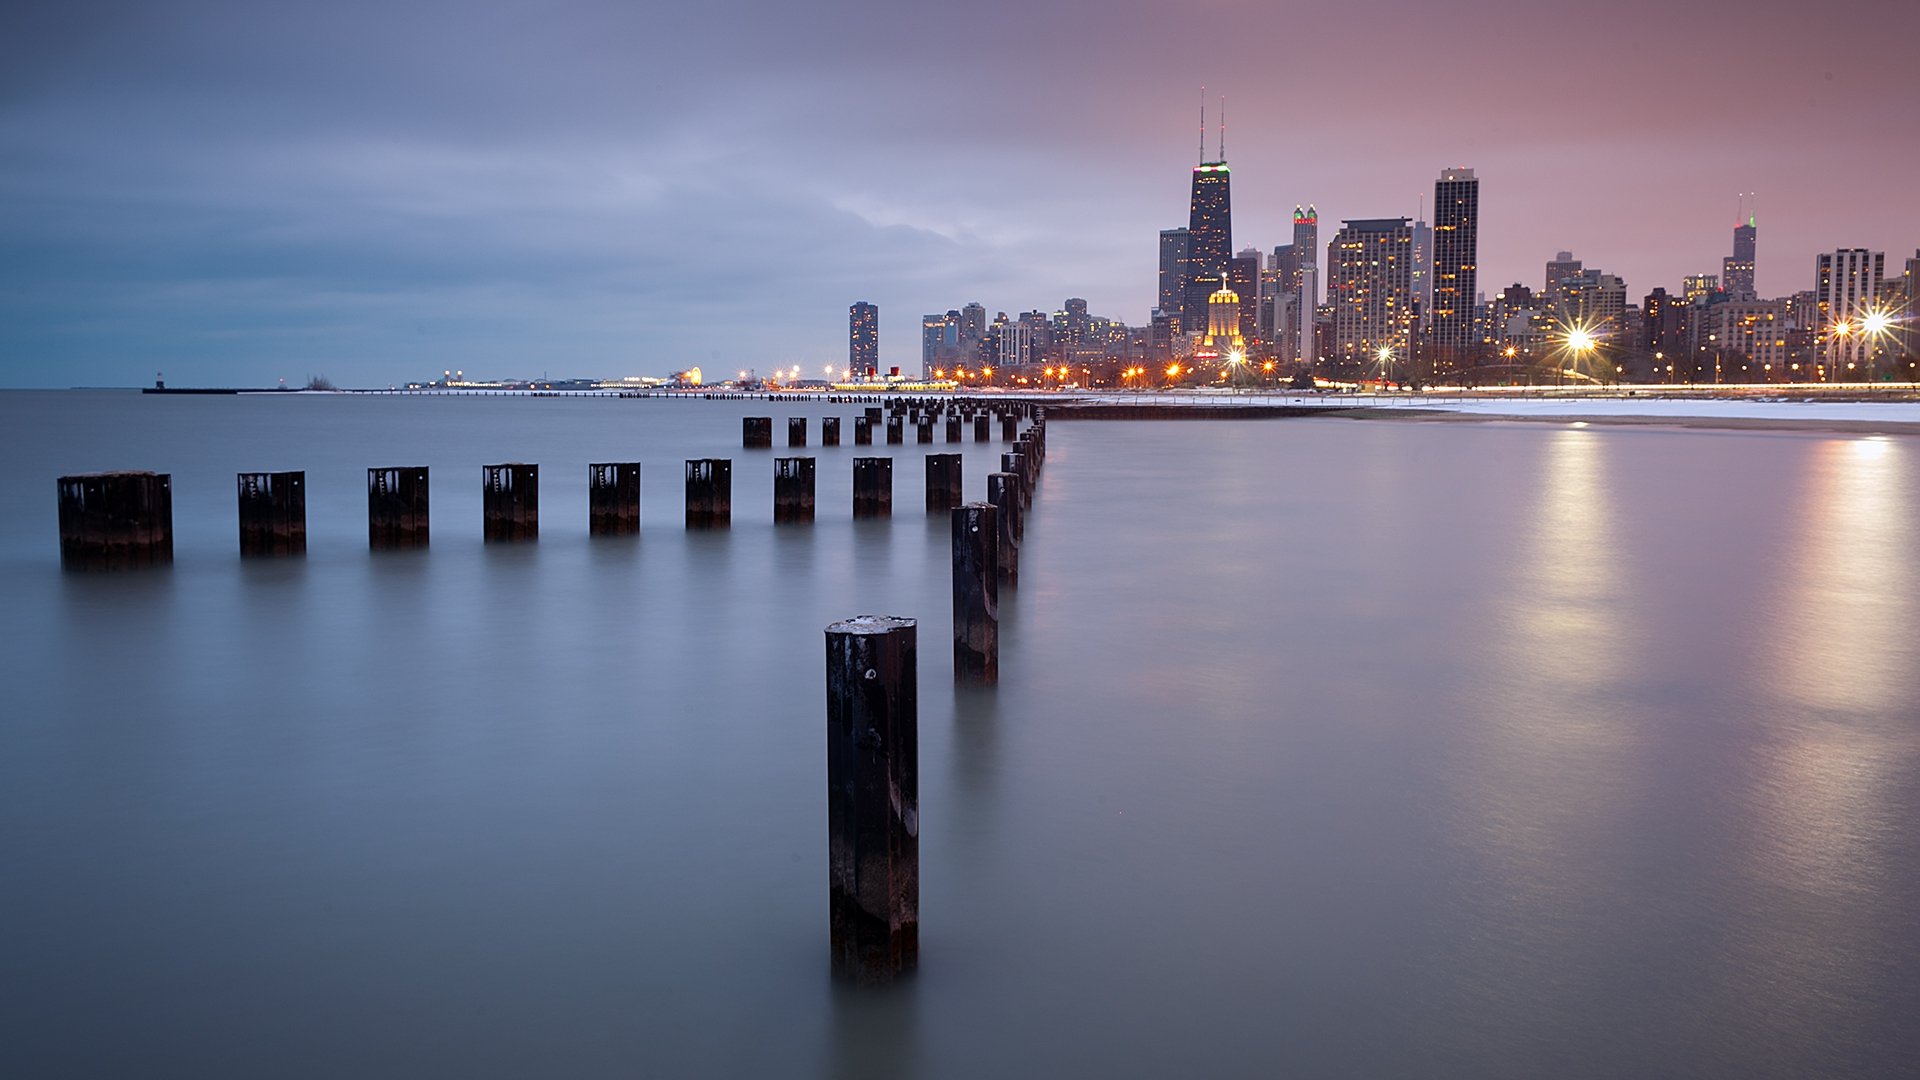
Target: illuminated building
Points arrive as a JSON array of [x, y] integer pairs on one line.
[[1209, 231], [1846, 286], [863, 339], [1591, 299], [1370, 289], [1456, 263], [1306, 249], [1697, 287], [1736, 271], [1223, 321], [1663, 321]]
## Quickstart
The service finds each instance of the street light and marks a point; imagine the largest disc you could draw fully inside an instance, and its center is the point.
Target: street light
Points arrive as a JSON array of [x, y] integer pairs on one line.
[[1385, 356]]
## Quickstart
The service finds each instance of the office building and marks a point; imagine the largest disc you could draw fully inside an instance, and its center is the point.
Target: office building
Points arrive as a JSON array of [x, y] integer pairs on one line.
[[1173, 269], [863, 339], [1456, 265], [1846, 287], [1370, 289]]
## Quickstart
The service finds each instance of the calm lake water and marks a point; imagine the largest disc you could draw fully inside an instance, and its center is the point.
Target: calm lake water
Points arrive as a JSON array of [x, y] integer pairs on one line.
[[1322, 748]]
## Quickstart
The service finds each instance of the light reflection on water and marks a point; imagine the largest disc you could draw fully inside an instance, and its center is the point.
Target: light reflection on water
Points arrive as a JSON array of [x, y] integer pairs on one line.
[[1322, 747]]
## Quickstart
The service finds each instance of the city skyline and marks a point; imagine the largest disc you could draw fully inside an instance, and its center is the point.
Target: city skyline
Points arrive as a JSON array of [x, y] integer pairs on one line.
[[236, 195]]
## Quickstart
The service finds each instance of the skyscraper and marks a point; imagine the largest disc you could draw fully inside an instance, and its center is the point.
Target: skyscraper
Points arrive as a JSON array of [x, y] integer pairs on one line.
[[1559, 268], [1736, 271], [1243, 277], [1306, 249], [1456, 263], [1173, 269], [1209, 232], [863, 339], [1846, 284], [1370, 287]]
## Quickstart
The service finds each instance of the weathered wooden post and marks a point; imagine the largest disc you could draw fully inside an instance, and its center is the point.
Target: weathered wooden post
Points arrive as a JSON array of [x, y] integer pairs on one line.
[[796, 431], [873, 798], [613, 498], [510, 501], [980, 427], [976, 594], [709, 493], [923, 429], [1009, 425], [273, 513], [862, 431], [872, 487], [1003, 491], [943, 482], [896, 431], [953, 428], [829, 431], [756, 432], [792, 489], [874, 414], [397, 507], [116, 521]]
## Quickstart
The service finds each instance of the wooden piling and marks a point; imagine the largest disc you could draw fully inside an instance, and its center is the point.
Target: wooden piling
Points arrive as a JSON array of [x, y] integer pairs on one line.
[[709, 493], [273, 513], [756, 432], [943, 482], [873, 798], [792, 490], [116, 521], [613, 498], [874, 414], [862, 431], [1009, 426], [397, 507], [872, 487], [953, 429], [981, 427], [976, 594], [1003, 491], [830, 431], [1015, 462], [896, 432], [796, 431], [510, 501], [923, 430]]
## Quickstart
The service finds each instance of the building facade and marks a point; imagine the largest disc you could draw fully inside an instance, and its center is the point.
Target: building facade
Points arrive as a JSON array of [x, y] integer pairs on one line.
[[1846, 287], [1370, 289], [863, 339], [1456, 264]]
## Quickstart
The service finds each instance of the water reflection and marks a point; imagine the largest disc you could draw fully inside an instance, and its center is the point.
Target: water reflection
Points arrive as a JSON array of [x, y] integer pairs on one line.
[[1845, 647]]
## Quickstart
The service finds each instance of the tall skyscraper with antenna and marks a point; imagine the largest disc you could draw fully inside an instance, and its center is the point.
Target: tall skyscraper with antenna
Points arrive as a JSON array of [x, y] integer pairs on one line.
[[1736, 271], [1209, 227], [1306, 242]]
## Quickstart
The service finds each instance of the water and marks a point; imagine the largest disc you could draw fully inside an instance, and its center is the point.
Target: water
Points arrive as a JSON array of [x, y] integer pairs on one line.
[[1322, 747]]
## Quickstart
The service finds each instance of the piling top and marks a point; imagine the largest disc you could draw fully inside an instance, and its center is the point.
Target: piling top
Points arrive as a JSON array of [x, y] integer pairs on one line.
[[115, 472], [872, 624]]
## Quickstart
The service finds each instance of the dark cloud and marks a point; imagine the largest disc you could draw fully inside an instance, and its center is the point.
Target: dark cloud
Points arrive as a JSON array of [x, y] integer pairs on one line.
[[389, 189]]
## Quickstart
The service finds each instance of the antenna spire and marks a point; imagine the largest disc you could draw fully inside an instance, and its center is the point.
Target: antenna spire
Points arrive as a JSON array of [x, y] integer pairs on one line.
[[1203, 123], [1223, 128]]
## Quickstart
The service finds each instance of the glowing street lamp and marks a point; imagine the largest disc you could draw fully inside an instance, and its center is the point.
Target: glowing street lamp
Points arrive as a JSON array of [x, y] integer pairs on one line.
[[1385, 356]]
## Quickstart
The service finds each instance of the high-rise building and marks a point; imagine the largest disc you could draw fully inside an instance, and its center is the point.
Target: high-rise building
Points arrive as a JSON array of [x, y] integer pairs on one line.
[[1423, 271], [1456, 264], [1173, 269], [1559, 268], [1306, 249], [1698, 287], [973, 323], [1243, 278], [1370, 288], [1736, 271], [1846, 286], [934, 342], [1209, 240], [863, 339]]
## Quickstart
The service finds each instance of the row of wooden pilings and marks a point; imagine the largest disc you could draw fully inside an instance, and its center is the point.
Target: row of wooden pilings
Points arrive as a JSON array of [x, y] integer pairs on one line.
[[873, 801], [124, 520], [872, 675], [756, 432]]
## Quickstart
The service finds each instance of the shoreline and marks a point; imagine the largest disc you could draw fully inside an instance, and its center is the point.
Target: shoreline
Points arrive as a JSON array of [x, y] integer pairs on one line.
[[1826, 425]]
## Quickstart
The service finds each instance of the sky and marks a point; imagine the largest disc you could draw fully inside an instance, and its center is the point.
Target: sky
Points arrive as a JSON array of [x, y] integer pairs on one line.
[[240, 192]]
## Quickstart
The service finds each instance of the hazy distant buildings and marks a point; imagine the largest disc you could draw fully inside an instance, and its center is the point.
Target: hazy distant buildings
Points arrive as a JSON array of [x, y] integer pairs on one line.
[[1370, 288], [1456, 263], [863, 338], [1559, 268]]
